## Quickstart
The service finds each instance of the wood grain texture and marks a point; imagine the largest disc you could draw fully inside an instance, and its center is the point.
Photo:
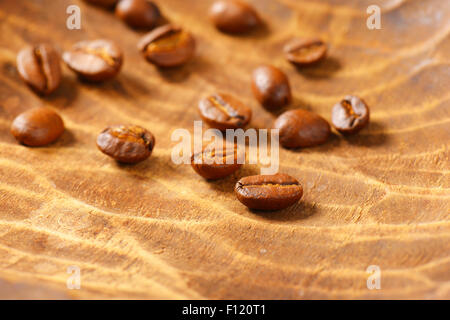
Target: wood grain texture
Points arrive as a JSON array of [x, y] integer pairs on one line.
[[157, 230]]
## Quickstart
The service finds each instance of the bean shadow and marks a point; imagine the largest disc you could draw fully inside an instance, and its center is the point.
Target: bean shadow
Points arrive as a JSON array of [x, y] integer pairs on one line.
[[361, 139], [333, 142], [163, 20], [323, 69], [61, 98], [154, 162], [9, 69], [226, 185], [123, 85], [296, 103], [175, 74], [181, 73], [368, 139], [301, 210], [107, 86], [65, 95], [133, 84], [66, 140]]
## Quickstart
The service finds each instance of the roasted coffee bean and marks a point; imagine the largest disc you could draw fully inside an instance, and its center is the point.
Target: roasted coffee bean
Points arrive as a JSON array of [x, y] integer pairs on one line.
[[127, 144], [37, 127], [350, 115], [138, 13], [233, 16], [301, 128], [96, 60], [215, 164], [268, 192], [103, 3], [40, 68], [223, 111], [305, 51], [167, 46], [271, 87]]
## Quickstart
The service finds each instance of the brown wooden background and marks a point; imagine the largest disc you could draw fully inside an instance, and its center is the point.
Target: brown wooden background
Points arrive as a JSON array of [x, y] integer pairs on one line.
[[157, 230]]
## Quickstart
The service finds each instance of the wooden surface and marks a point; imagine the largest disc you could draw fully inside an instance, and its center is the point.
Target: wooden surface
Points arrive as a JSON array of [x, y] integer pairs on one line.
[[157, 230]]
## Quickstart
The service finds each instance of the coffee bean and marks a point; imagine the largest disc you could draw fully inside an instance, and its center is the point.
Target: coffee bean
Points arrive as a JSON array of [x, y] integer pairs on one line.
[[268, 192], [223, 111], [40, 68], [103, 3], [96, 60], [127, 144], [138, 13], [233, 16], [167, 46], [350, 115], [37, 127], [301, 128], [305, 51], [271, 87], [215, 164]]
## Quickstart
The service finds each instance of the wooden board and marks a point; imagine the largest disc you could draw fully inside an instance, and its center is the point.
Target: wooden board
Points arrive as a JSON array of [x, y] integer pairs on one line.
[[157, 230]]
